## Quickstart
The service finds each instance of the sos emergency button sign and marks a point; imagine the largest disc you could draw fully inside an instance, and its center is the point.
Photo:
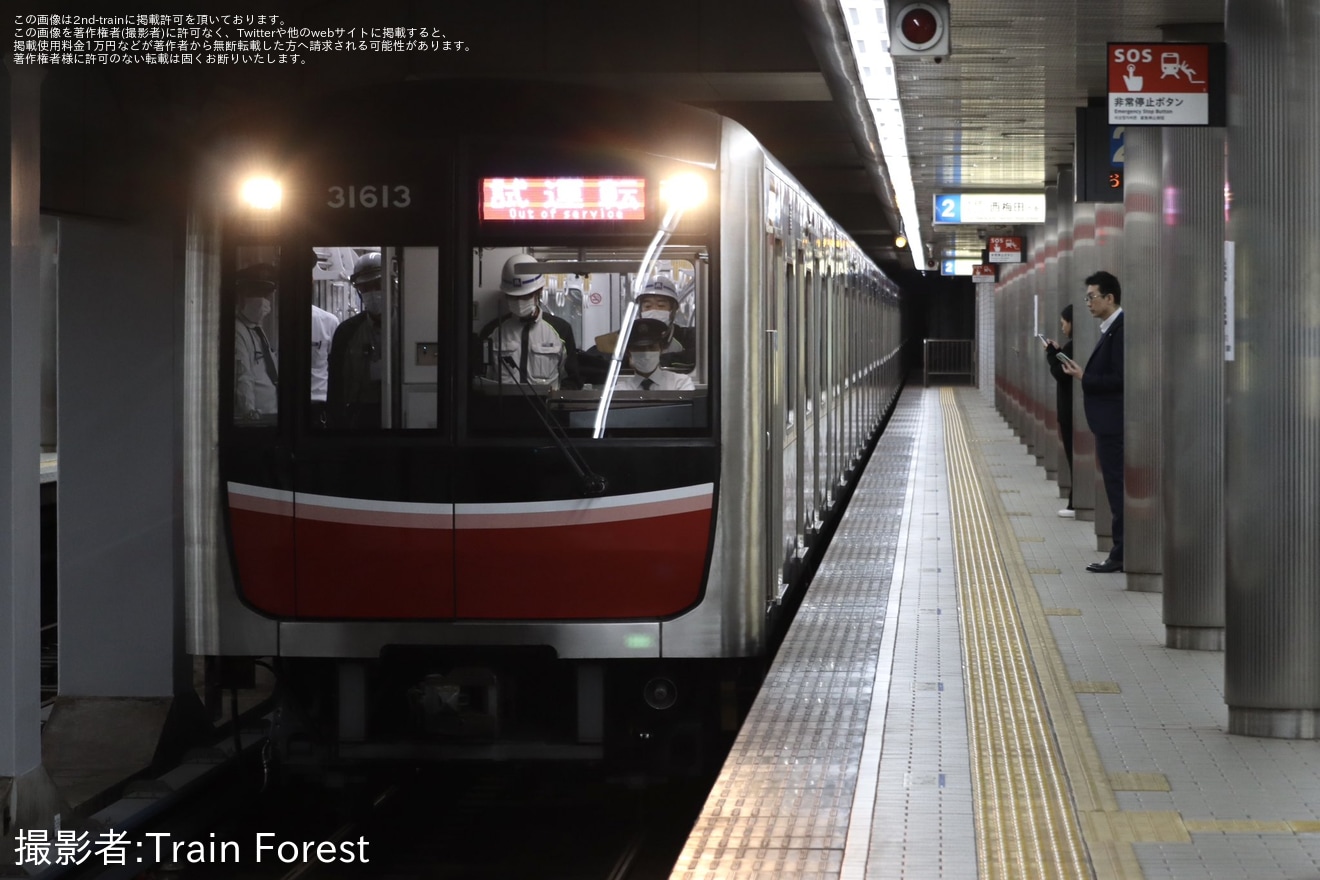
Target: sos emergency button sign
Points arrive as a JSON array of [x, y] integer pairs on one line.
[[1166, 83]]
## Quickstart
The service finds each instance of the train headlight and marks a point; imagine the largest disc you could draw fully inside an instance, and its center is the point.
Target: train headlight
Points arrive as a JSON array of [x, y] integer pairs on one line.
[[262, 193], [683, 191]]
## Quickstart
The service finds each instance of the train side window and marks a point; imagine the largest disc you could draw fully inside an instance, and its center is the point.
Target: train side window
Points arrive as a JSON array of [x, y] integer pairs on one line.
[[374, 354], [256, 336]]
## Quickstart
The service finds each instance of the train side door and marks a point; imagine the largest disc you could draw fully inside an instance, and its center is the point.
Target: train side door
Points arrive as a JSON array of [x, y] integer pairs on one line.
[[773, 405]]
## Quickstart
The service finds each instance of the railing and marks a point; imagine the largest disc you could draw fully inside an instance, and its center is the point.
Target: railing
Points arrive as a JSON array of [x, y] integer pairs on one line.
[[949, 359]]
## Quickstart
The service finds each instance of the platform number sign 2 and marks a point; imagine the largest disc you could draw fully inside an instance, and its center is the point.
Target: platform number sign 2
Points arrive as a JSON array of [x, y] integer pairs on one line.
[[948, 209]]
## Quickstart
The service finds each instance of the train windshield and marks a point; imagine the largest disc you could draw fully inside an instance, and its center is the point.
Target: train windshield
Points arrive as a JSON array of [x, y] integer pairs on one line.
[[374, 355], [546, 325]]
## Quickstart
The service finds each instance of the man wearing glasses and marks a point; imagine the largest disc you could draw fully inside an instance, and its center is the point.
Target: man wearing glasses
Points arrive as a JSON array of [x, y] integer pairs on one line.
[[1102, 395]]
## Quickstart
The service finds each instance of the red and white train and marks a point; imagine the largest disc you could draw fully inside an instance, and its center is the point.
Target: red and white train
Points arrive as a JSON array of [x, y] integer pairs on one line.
[[482, 560]]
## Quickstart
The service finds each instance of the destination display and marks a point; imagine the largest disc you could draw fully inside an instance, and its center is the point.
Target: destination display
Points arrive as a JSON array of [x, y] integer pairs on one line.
[[559, 199]]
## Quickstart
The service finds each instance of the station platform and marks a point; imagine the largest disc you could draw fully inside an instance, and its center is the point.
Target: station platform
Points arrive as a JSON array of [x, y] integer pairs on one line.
[[959, 698]]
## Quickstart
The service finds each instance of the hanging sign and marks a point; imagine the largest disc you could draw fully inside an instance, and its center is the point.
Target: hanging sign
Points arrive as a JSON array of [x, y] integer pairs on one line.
[[1005, 249], [1003, 208], [1166, 84], [983, 273]]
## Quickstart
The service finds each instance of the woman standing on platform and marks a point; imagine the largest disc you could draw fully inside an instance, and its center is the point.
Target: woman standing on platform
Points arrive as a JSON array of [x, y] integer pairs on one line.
[[1063, 399]]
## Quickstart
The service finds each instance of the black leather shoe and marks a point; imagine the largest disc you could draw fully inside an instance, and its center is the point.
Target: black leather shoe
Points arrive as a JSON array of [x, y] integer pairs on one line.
[[1105, 567]]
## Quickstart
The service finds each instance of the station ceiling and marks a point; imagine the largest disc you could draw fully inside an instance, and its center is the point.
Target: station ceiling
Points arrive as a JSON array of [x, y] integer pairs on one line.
[[996, 116]]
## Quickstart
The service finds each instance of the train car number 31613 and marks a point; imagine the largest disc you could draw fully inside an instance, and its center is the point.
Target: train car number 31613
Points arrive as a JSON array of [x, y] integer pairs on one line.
[[384, 196]]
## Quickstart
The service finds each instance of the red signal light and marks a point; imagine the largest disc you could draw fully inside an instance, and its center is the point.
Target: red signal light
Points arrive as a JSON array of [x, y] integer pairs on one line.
[[920, 27]]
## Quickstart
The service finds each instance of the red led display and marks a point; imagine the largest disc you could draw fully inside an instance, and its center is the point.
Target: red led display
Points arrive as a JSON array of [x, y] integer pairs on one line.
[[563, 199]]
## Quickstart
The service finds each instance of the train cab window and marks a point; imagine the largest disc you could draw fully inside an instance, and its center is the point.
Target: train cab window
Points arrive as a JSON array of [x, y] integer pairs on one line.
[[546, 327], [256, 340], [374, 354]]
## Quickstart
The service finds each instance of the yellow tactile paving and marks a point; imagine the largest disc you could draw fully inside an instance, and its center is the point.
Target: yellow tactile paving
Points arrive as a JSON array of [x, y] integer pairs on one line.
[[1236, 826], [1096, 687], [1138, 782], [1108, 832], [1135, 827], [1026, 825]]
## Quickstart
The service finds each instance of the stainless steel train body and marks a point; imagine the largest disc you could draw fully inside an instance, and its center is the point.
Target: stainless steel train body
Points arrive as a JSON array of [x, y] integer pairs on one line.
[[455, 521]]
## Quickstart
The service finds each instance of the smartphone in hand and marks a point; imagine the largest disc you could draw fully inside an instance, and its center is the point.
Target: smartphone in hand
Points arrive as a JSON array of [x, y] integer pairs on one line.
[[1063, 358]]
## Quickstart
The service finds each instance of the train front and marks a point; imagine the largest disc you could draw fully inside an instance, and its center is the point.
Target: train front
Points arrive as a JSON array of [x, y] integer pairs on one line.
[[453, 425]]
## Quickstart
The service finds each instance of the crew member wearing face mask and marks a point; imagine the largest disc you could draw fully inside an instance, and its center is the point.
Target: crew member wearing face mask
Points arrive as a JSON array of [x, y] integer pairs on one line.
[[256, 369], [523, 344], [659, 301], [644, 345], [353, 394]]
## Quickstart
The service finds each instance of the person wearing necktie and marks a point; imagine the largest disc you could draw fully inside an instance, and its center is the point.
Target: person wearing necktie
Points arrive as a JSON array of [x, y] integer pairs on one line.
[[1102, 396], [525, 345], [353, 390], [646, 341], [256, 367]]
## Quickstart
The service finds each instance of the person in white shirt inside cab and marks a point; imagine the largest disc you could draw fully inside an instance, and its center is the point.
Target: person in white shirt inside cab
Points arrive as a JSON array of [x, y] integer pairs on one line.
[[647, 340], [525, 344], [659, 301], [324, 325], [256, 370]]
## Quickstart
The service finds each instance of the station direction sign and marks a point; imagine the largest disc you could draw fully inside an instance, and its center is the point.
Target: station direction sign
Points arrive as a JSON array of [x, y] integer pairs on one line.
[[1005, 248], [997, 208], [950, 266], [1166, 84], [983, 273]]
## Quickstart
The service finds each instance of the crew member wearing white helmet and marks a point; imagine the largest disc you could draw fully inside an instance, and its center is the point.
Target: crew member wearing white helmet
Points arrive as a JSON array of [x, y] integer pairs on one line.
[[645, 342], [524, 344], [659, 301], [256, 370], [353, 393]]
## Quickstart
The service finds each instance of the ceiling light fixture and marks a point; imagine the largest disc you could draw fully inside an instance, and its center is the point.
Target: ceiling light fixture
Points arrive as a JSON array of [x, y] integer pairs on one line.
[[868, 31]]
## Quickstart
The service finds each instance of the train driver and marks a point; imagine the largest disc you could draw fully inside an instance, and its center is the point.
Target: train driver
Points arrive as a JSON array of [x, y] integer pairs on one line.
[[647, 339], [256, 370], [353, 393], [524, 344], [659, 301]]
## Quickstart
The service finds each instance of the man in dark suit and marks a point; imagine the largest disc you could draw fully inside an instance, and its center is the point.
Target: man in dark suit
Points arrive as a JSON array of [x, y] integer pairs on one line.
[[1102, 395]]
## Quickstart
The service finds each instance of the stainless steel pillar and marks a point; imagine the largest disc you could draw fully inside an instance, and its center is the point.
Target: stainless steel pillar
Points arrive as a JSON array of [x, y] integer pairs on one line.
[[1063, 294], [1272, 418], [1012, 339], [1085, 334], [986, 362], [1048, 450], [1192, 329], [1107, 255], [1143, 354]]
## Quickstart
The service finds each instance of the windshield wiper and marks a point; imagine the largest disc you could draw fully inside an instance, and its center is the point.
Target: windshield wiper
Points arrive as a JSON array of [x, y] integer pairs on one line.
[[592, 482]]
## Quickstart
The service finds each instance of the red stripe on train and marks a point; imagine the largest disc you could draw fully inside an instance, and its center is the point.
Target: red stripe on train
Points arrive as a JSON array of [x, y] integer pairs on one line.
[[648, 566]]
